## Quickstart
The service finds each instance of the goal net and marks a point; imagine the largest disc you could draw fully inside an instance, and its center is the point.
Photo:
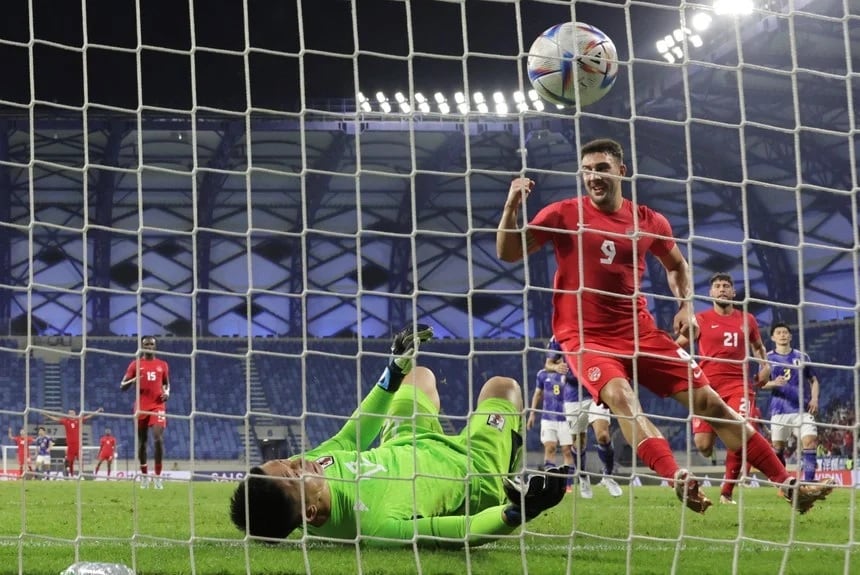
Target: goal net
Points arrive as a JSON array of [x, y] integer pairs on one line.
[[274, 190]]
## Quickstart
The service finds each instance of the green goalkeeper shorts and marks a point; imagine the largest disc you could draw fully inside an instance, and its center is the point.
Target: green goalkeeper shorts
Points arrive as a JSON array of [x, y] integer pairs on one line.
[[411, 413]]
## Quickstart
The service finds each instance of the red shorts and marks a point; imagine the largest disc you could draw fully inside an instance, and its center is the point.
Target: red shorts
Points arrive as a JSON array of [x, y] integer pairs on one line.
[[156, 416], [22, 459], [105, 456], [658, 364], [73, 452], [740, 403]]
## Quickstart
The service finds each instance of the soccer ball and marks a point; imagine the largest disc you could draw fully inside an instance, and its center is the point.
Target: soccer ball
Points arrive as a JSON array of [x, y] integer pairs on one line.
[[553, 55]]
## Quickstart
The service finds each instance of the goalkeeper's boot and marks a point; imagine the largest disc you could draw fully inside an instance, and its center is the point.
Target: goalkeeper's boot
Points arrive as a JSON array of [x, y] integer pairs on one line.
[[585, 490], [688, 491], [807, 494], [157, 484], [144, 481], [727, 500]]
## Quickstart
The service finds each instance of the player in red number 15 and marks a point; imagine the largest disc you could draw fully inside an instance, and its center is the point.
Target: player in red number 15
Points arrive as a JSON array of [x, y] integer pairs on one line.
[[153, 383]]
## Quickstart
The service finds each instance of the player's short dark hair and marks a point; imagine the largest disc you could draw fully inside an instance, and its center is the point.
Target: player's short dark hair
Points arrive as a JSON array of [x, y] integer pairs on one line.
[[603, 145], [779, 324], [41, 428], [145, 337], [721, 276], [270, 513]]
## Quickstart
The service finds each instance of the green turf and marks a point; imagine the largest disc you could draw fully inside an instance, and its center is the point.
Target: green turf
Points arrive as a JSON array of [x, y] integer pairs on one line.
[[45, 526]]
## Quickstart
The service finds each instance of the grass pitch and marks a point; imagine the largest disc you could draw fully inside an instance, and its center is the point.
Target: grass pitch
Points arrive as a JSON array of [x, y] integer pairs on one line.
[[47, 525]]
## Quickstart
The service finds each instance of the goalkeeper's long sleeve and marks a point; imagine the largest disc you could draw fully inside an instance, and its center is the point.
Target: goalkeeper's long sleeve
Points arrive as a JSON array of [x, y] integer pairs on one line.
[[364, 425], [449, 531]]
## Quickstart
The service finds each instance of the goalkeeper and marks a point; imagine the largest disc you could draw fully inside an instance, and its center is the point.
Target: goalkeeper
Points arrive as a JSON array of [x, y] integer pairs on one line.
[[418, 484]]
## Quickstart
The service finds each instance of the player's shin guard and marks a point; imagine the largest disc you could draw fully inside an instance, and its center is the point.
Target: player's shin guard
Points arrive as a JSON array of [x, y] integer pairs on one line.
[[733, 472], [809, 463], [657, 455], [762, 456], [607, 457]]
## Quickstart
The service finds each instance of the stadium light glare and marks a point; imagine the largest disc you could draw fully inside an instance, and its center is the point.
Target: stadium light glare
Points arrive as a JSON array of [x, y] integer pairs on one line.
[[483, 108], [419, 97], [439, 97], [443, 107], [424, 107], [677, 51], [669, 57], [399, 97], [696, 41], [385, 107], [501, 108], [733, 7], [669, 40], [478, 97], [463, 108], [365, 106], [678, 35], [662, 47], [538, 105], [519, 97], [459, 97], [405, 107], [701, 21], [522, 107], [533, 96], [380, 97]]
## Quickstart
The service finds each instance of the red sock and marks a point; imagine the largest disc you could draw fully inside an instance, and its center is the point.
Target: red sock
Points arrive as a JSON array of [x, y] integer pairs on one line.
[[144, 469], [733, 471], [71, 467], [657, 455], [761, 456], [158, 468]]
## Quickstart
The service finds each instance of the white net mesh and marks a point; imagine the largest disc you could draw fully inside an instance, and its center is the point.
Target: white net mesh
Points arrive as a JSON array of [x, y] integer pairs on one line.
[[275, 190]]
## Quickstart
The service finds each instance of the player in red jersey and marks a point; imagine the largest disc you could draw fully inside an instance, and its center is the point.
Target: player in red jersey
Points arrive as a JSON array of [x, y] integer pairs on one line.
[[72, 423], [107, 451], [22, 441], [602, 320], [725, 334], [153, 383]]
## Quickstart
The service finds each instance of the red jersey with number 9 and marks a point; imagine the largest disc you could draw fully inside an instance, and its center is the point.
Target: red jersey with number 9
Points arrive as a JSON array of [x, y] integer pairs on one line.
[[151, 375]]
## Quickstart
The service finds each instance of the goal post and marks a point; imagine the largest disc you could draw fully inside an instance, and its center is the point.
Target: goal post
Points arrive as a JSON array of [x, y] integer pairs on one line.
[[273, 191]]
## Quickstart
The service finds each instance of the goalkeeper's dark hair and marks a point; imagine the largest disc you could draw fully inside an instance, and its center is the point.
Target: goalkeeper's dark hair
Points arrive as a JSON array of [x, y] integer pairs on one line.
[[270, 513], [603, 145]]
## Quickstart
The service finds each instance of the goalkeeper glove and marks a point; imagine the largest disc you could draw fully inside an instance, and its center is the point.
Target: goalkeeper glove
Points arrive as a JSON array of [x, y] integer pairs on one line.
[[403, 350], [533, 494]]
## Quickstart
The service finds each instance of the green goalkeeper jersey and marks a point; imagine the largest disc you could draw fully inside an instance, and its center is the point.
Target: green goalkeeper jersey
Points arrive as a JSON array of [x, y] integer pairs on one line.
[[417, 484]]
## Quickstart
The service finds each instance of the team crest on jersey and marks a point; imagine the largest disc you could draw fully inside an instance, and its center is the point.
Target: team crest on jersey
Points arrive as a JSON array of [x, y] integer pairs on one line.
[[325, 461], [593, 373], [496, 420]]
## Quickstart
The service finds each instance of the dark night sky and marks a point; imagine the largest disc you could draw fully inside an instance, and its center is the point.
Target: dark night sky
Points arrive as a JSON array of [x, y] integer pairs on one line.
[[326, 25]]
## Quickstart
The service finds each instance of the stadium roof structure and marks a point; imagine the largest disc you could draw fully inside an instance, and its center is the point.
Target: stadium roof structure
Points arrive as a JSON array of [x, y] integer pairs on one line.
[[755, 166]]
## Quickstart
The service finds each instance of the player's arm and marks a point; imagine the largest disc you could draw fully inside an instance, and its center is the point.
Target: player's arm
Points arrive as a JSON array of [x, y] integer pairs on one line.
[[130, 377], [537, 398], [678, 277], [509, 237], [92, 415], [366, 422], [527, 499], [815, 389], [165, 386], [760, 356], [445, 532]]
